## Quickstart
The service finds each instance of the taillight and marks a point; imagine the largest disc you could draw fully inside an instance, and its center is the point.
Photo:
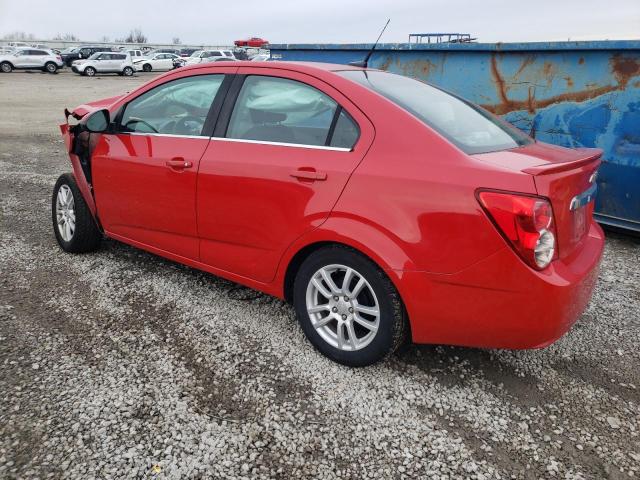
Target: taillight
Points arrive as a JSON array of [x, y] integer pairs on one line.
[[526, 222]]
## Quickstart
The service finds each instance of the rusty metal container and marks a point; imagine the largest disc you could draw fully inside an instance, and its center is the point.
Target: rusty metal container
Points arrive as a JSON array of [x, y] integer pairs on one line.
[[574, 94]]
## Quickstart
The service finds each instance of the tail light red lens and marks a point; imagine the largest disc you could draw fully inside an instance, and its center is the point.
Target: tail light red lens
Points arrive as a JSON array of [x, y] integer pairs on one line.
[[526, 222]]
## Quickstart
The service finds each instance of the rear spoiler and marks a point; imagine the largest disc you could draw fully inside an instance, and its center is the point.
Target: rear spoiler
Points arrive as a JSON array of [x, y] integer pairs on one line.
[[592, 155]]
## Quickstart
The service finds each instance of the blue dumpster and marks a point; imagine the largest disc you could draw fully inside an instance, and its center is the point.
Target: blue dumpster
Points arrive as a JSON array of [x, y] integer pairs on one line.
[[575, 94]]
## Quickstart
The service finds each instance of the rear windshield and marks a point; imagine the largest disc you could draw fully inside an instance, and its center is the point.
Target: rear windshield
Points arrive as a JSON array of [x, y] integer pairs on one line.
[[468, 127]]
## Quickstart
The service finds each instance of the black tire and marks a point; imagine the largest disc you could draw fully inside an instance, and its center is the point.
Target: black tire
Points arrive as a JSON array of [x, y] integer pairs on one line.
[[127, 71], [6, 67], [50, 67], [146, 67], [393, 326], [86, 237], [90, 72]]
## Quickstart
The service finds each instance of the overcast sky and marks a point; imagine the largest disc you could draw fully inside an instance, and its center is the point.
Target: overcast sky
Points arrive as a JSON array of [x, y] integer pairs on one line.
[[324, 21]]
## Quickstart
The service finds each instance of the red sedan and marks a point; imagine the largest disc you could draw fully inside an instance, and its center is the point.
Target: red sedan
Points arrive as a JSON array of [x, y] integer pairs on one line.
[[383, 208], [256, 42]]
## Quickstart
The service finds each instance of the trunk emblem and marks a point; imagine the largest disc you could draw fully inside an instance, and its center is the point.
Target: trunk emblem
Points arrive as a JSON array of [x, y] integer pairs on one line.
[[585, 197]]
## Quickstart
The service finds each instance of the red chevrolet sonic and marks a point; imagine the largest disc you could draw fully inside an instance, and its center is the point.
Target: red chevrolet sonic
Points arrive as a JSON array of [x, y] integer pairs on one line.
[[385, 209]]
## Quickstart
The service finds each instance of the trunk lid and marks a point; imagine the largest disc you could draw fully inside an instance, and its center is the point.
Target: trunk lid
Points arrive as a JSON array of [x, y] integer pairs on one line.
[[566, 177]]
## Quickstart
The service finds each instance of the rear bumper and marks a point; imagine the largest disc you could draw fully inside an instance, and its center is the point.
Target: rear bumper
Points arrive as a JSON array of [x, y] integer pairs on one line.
[[502, 303]]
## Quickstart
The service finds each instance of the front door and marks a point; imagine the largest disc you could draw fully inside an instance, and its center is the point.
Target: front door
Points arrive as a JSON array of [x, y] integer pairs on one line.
[[23, 59], [145, 173], [277, 169]]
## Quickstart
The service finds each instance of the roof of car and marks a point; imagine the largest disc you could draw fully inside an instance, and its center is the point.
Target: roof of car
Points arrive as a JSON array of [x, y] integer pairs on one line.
[[298, 66]]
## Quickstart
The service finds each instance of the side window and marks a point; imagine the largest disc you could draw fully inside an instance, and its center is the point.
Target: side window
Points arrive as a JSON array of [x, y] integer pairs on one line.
[[215, 54], [346, 132], [39, 52], [281, 110], [179, 107]]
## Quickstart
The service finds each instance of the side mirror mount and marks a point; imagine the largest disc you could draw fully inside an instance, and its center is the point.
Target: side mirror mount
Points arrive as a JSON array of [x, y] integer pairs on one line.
[[98, 121]]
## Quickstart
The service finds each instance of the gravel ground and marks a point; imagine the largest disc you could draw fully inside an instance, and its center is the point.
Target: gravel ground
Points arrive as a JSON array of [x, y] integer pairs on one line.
[[120, 364]]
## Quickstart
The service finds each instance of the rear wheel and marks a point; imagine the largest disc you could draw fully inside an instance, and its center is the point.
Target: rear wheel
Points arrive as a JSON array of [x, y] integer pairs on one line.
[[127, 71], [51, 67], [73, 225], [6, 67], [146, 67], [347, 307], [90, 72]]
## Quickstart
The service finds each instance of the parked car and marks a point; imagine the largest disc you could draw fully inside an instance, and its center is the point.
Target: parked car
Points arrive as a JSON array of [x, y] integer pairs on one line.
[[251, 42], [186, 52], [30, 59], [240, 53], [18, 44], [261, 57], [151, 53], [6, 49], [201, 56], [83, 52], [382, 207], [135, 54], [159, 62], [219, 59], [105, 62], [179, 62]]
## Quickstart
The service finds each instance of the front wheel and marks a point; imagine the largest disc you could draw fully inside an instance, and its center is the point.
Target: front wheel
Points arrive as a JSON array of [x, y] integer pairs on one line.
[[6, 67], [90, 72], [348, 308], [146, 67], [127, 71], [51, 67], [74, 227]]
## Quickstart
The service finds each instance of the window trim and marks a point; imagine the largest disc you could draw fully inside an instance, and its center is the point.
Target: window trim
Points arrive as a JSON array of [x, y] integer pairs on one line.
[[224, 117], [284, 144]]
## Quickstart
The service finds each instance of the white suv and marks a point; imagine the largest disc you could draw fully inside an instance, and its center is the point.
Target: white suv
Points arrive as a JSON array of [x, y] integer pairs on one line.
[[105, 62], [30, 59]]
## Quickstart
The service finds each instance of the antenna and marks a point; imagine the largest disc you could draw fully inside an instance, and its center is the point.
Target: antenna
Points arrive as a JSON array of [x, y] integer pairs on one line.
[[365, 63]]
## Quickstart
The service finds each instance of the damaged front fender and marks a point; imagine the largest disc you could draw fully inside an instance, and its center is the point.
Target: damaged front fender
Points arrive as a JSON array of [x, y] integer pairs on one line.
[[79, 146]]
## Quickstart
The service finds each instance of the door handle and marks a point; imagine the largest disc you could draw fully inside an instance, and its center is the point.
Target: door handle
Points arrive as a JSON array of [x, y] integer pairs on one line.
[[312, 175], [178, 163]]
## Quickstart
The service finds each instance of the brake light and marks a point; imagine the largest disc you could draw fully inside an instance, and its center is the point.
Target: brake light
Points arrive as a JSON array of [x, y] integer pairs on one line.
[[526, 222]]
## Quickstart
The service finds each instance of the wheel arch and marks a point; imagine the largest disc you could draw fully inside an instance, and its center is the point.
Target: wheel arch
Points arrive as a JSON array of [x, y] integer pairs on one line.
[[380, 247], [7, 61]]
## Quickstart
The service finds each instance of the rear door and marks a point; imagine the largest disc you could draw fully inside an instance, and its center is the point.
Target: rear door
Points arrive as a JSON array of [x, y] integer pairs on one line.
[[39, 57], [279, 159], [164, 61], [144, 173]]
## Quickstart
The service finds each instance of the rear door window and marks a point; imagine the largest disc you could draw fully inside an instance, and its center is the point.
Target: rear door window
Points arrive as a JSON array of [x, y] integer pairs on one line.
[[346, 132], [280, 110]]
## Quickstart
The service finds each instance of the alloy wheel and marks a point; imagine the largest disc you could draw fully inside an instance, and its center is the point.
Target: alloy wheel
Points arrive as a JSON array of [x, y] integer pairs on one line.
[[65, 213], [343, 307]]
